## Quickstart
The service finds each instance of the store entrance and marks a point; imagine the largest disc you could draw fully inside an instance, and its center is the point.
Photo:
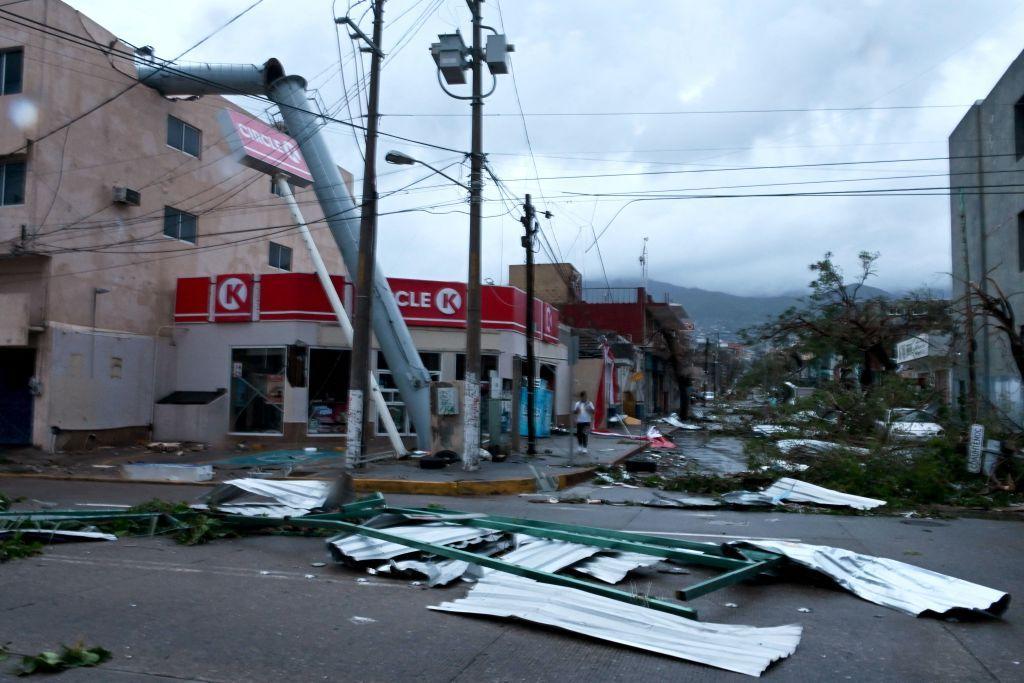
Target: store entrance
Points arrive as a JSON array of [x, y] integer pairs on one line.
[[16, 369], [328, 391]]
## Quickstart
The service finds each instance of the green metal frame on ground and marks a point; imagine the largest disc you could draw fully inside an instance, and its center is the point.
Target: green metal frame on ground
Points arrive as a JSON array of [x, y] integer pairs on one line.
[[746, 565]]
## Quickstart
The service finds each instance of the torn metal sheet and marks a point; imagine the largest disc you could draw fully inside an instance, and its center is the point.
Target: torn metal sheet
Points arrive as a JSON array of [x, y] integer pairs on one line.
[[356, 548], [57, 535], [255, 510], [801, 492], [794, 491], [744, 649], [890, 583], [436, 573], [613, 567], [674, 420], [267, 497]]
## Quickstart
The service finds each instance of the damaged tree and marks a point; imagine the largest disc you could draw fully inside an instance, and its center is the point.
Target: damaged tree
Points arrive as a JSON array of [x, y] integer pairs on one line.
[[854, 321]]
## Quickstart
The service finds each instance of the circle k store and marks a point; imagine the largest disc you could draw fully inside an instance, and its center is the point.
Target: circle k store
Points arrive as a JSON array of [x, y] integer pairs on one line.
[[260, 357]]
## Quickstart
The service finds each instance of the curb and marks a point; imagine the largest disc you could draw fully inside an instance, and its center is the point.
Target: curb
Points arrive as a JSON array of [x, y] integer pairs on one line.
[[463, 487]]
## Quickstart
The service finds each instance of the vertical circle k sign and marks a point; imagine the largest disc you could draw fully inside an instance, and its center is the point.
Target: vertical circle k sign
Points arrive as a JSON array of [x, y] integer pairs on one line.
[[233, 297]]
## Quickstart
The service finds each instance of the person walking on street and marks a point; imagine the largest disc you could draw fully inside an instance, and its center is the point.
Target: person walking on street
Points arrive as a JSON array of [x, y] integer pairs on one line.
[[584, 412]]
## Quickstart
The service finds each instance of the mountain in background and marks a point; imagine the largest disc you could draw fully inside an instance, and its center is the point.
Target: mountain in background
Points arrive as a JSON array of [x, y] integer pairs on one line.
[[726, 314]]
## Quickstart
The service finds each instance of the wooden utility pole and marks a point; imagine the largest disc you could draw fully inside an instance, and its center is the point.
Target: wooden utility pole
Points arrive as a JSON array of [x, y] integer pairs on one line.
[[972, 343], [358, 393]]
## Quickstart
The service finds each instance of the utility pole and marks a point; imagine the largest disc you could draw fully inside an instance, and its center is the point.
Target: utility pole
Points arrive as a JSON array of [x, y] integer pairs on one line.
[[471, 445], [358, 393], [452, 58], [972, 372], [529, 220]]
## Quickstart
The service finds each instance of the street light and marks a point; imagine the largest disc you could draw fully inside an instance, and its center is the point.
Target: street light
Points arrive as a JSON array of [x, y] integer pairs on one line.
[[401, 159], [453, 58]]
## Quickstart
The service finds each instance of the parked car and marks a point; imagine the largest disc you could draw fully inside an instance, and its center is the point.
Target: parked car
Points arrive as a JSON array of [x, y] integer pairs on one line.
[[707, 396], [910, 423]]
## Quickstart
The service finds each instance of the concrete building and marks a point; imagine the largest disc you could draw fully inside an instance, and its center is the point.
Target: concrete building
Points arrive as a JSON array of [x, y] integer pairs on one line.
[[986, 151], [656, 370], [114, 198]]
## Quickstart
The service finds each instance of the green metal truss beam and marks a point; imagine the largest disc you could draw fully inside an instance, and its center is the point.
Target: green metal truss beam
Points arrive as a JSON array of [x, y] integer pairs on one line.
[[490, 562]]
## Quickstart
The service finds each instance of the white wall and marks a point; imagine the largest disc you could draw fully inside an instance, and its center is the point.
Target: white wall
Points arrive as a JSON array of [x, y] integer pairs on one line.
[[101, 380]]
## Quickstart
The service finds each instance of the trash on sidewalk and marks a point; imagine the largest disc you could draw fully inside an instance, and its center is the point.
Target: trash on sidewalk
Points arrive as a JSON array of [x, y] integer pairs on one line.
[[792, 490], [769, 430], [167, 472], [784, 466], [891, 583], [164, 446], [744, 649], [674, 420]]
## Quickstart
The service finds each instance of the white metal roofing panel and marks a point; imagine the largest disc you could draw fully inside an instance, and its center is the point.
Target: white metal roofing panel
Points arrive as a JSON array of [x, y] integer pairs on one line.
[[613, 567], [891, 583], [362, 548], [744, 649]]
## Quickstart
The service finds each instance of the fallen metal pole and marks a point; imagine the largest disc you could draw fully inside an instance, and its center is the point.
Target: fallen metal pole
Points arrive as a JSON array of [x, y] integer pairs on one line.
[[339, 312]]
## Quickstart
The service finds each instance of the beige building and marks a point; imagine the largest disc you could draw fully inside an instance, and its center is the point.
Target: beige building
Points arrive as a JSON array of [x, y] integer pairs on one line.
[[126, 216], [87, 280]]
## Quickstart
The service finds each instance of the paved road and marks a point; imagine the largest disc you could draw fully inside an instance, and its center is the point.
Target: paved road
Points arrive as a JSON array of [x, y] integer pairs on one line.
[[243, 610]]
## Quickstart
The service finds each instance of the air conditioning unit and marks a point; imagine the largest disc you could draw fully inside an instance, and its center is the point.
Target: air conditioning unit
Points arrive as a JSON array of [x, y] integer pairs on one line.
[[127, 196]]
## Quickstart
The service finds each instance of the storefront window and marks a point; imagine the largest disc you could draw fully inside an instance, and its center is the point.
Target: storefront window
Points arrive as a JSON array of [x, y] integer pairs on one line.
[[432, 361], [328, 390], [257, 390]]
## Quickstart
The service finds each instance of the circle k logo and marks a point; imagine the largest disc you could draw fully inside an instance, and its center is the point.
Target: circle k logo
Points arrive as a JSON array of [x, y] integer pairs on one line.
[[448, 301], [232, 294]]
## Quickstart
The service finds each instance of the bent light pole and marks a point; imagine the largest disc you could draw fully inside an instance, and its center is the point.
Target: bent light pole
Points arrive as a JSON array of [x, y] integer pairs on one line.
[[289, 93]]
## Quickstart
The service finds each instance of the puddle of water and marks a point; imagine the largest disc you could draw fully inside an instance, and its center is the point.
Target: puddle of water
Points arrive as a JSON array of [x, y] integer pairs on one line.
[[712, 454]]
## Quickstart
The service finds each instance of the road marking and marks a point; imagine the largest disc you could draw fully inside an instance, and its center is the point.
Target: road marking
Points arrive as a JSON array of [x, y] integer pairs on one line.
[[742, 538], [234, 572]]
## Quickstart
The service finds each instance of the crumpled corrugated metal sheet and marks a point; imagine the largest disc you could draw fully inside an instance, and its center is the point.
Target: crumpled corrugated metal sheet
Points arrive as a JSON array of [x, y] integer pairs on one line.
[[744, 649], [891, 583], [362, 548], [815, 446], [546, 554], [613, 567], [793, 490], [263, 497], [436, 573], [256, 510]]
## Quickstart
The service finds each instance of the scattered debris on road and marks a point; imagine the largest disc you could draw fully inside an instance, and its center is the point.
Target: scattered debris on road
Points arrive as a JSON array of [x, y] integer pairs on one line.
[[543, 572]]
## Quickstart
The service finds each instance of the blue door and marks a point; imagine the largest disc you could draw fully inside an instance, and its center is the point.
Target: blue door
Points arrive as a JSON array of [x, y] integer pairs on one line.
[[16, 369]]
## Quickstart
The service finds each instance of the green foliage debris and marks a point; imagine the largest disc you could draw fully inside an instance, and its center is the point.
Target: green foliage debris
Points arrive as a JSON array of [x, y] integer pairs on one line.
[[68, 658], [14, 547]]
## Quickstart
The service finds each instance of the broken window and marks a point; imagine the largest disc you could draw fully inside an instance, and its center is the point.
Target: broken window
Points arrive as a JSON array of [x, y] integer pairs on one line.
[[257, 390]]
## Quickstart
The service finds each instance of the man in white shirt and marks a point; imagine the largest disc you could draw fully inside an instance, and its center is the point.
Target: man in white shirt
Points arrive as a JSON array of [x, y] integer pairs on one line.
[[584, 412]]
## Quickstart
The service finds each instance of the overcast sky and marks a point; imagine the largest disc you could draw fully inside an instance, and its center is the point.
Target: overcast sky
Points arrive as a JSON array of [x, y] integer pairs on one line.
[[594, 68]]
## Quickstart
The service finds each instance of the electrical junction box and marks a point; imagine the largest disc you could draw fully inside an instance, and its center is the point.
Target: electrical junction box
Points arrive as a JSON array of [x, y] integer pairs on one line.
[[447, 416], [496, 53]]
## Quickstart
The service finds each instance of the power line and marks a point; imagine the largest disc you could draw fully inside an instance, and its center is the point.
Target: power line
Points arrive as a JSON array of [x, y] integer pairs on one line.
[[682, 112], [165, 66], [116, 95]]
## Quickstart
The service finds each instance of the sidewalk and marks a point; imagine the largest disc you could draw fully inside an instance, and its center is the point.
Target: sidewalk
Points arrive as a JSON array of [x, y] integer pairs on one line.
[[549, 470]]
